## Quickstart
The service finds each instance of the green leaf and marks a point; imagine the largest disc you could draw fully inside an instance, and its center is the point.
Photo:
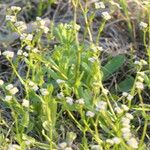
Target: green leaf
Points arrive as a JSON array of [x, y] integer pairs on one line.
[[126, 84], [112, 66]]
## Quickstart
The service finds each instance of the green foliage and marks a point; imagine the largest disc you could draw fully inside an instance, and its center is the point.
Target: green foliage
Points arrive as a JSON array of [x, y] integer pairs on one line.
[[126, 85], [60, 97], [113, 65]]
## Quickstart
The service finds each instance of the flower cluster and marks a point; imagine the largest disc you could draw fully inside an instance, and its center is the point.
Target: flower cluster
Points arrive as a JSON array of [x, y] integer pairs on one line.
[[60, 95], [64, 146], [26, 37], [140, 79], [80, 101], [143, 25], [41, 25], [21, 53], [115, 140], [13, 90], [33, 86], [60, 81], [90, 114], [99, 5], [25, 103], [44, 91], [106, 15], [96, 48], [120, 110], [69, 100], [12, 13], [20, 25], [72, 26], [10, 18], [8, 54], [101, 106], [1, 82], [127, 95], [14, 147], [126, 132], [140, 63]]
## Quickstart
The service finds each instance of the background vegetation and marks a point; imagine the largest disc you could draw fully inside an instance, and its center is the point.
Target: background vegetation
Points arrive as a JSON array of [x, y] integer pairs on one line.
[[74, 74]]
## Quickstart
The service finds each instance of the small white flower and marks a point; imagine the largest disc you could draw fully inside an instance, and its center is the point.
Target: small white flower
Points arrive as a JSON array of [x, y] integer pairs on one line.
[[143, 25], [77, 27], [10, 18], [132, 142], [8, 98], [60, 95], [25, 103], [62, 145], [118, 110], [23, 36], [1, 82], [80, 101], [25, 54], [68, 26], [129, 116], [42, 23], [105, 91], [45, 29], [139, 78], [38, 19], [29, 37], [92, 59], [139, 85], [14, 90], [95, 147], [125, 122], [99, 5], [129, 97], [141, 73], [125, 94], [125, 107], [110, 141], [15, 8], [125, 130], [27, 142], [90, 114], [143, 62], [28, 47], [35, 50], [68, 148], [14, 147], [9, 86], [19, 52], [101, 106], [8, 54], [69, 100], [35, 88], [137, 62], [96, 48], [59, 81], [126, 135], [44, 92], [21, 25], [31, 83], [106, 15], [116, 140]]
